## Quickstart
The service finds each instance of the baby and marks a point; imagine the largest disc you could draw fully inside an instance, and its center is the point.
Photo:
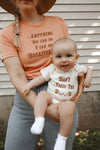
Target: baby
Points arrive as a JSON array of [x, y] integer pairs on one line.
[[62, 91]]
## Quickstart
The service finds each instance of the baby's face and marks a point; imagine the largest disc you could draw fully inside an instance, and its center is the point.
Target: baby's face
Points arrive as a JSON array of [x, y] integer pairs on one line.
[[64, 56]]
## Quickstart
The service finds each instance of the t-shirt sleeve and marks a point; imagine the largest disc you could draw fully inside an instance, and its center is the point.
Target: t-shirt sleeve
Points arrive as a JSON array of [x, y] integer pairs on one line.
[[6, 44], [81, 68], [46, 72], [64, 27]]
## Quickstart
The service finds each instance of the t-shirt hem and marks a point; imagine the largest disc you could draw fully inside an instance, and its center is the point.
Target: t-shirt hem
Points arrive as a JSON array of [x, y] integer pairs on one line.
[[3, 58]]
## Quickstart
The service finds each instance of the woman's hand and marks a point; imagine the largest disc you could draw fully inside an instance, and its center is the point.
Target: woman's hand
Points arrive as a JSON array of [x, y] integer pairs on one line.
[[83, 82], [80, 87]]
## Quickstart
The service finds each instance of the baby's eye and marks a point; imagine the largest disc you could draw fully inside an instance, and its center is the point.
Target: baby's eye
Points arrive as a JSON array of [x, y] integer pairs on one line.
[[69, 55], [58, 56]]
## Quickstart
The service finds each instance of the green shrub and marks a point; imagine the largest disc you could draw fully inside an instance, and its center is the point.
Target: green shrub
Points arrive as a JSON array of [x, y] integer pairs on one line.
[[88, 140], [2, 140]]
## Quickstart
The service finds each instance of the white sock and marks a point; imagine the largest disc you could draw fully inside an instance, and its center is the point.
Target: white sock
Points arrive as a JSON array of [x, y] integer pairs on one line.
[[60, 143], [38, 125]]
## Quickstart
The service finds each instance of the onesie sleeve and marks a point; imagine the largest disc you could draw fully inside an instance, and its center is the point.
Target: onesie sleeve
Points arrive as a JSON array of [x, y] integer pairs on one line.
[[6, 43], [46, 72], [81, 68]]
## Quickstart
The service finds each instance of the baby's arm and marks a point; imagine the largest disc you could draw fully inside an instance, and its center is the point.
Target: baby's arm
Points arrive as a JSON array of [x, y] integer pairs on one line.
[[88, 78], [33, 83]]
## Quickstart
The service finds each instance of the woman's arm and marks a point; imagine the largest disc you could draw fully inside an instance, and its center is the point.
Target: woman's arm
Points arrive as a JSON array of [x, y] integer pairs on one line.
[[33, 83], [83, 83], [80, 87], [18, 78]]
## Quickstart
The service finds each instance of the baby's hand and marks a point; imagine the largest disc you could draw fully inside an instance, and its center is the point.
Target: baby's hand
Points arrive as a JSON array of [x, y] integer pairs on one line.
[[26, 90], [88, 78], [87, 82]]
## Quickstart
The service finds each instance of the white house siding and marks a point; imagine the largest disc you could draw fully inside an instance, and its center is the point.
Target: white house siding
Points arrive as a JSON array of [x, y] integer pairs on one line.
[[83, 21]]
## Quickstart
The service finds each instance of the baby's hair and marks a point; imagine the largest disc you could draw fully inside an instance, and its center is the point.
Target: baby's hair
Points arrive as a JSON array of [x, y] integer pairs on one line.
[[63, 40]]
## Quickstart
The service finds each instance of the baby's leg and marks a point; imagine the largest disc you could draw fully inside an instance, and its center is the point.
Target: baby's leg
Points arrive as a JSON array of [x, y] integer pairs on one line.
[[42, 101], [66, 115]]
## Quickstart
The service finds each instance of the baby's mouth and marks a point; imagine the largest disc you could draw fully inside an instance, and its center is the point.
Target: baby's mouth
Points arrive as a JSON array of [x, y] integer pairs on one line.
[[65, 66]]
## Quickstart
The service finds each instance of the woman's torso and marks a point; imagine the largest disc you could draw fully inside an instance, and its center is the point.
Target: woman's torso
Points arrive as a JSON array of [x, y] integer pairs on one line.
[[36, 41]]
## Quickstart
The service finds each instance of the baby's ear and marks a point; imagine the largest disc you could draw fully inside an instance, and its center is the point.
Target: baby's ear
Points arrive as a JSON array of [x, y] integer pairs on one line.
[[77, 56], [51, 58]]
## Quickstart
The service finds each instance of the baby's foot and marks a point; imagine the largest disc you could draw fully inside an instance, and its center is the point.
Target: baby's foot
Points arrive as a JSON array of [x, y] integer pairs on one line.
[[38, 125]]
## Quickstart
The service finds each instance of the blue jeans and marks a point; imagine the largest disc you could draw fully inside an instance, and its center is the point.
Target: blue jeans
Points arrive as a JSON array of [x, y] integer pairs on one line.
[[21, 119]]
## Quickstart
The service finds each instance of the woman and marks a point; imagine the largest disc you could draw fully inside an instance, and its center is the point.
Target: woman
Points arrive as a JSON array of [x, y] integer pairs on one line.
[[25, 49]]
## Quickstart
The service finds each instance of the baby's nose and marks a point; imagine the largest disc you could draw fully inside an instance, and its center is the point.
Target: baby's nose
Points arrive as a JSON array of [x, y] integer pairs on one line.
[[64, 59]]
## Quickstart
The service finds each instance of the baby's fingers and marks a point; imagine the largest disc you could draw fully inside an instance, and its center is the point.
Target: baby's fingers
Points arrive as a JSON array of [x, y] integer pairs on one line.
[[87, 84], [26, 92]]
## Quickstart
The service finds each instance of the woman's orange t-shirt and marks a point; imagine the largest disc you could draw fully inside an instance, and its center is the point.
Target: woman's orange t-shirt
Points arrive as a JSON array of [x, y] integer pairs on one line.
[[36, 41]]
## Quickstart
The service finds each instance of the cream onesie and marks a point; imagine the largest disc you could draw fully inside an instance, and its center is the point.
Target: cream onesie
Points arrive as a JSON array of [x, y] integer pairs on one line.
[[62, 85]]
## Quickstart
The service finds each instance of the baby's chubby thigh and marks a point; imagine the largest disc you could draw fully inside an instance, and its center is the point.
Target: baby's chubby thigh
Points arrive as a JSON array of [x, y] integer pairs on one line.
[[60, 108], [52, 111], [66, 108]]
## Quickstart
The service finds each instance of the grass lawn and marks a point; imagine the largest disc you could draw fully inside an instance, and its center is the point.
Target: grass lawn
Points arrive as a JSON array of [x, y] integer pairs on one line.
[[84, 140]]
